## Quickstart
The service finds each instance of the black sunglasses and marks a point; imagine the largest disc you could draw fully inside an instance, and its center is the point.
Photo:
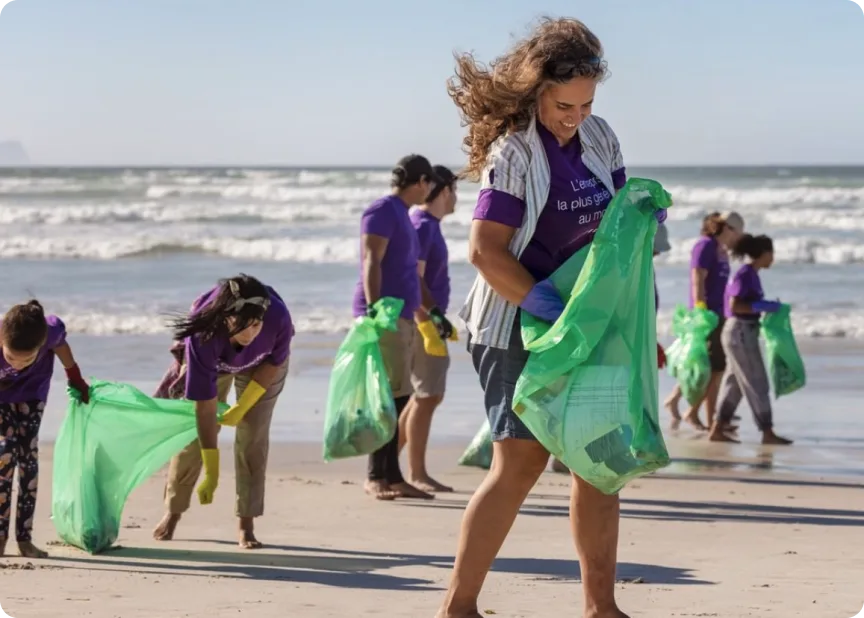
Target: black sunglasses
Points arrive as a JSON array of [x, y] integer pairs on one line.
[[566, 69]]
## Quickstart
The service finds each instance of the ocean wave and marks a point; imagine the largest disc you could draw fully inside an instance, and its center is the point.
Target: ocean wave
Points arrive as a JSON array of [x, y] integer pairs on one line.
[[807, 250], [761, 197], [812, 324], [342, 249]]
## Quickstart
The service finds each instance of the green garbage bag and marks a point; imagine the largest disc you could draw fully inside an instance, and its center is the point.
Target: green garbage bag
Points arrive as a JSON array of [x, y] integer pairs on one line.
[[785, 366], [688, 360], [107, 448], [588, 391], [479, 452], [361, 415]]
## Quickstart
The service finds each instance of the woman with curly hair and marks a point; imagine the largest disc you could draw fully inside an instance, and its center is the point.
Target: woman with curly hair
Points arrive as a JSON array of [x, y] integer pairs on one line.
[[548, 170]]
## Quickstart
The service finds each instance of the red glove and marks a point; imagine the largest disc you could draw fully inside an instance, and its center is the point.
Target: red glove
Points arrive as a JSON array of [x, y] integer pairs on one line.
[[661, 357], [76, 381]]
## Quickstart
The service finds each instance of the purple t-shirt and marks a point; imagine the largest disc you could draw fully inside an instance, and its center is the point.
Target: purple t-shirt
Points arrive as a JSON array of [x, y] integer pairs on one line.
[[708, 254], [389, 218], [746, 286], [205, 360], [576, 204], [433, 251], [32, 383]]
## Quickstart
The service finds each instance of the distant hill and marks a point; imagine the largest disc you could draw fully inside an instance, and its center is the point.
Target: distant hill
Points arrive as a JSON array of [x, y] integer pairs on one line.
[[13, 153]]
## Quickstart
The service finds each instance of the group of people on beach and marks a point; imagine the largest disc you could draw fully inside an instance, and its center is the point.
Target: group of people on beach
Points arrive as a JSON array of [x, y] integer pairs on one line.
[[547, 169], [737, 368]]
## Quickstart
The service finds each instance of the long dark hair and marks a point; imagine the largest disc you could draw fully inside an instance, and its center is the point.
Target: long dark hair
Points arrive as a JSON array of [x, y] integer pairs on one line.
[[242, 297], [753, 247], [24, 327]]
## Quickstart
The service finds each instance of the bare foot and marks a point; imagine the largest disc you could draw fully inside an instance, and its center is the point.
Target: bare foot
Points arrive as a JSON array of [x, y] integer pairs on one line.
[[164, 531], [671, 404], [615, 613], [675, 423], [28, 550], [428, 484], [694, 421], [473, 614], [379, 490], [719, 436], [248, 540], [773, 438], [406, 490]]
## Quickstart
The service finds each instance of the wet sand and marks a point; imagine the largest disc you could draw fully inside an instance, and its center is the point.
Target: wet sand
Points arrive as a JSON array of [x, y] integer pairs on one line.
[[722, 532]]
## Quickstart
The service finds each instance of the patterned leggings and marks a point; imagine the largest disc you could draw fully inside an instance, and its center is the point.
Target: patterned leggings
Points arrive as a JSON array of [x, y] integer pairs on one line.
[[19, 447]]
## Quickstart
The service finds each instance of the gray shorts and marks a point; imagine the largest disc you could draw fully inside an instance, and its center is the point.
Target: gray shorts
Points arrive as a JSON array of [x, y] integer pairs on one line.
[[498, 371]]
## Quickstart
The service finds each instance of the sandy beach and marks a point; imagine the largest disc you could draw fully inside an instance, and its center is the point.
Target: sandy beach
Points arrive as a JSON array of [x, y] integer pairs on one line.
[[717, 536]]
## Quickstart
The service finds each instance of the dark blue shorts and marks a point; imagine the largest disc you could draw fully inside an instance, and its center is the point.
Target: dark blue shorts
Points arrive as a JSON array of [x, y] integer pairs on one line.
[[498, 371]]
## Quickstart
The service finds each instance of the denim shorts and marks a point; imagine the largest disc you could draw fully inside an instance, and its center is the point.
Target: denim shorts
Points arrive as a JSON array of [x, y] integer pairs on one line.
[[498, 371]]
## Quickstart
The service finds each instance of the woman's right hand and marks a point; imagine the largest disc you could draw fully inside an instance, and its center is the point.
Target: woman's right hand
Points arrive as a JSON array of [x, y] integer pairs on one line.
[[543, 301]]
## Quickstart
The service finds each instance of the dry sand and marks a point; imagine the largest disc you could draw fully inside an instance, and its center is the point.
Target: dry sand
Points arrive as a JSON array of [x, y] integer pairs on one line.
[[724, 541]]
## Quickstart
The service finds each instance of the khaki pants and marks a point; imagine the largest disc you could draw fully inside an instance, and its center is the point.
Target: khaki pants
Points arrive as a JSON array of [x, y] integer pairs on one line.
[[396, 350], [251, 447]]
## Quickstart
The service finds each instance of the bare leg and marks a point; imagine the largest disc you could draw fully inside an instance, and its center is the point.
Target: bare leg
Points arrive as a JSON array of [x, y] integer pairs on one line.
[[2, 546], [671, 403], [711, 394], [594, 519], [247, 533], [403, 423], [164, 530], [516, 466], [419, 425]]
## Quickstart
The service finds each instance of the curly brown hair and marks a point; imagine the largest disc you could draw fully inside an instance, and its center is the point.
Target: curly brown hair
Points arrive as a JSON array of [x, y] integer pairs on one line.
[[500, 98]]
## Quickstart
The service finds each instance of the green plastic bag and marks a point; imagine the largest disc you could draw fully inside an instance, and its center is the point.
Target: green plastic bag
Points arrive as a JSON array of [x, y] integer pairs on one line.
[[107, 448], [361, 415], [479, 452], [688, 360], [785, 365], [588, 392]]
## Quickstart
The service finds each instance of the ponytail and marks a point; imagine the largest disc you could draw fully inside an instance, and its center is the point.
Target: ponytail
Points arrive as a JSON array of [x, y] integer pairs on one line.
[[243, 298], [753, 247], [24, 327]]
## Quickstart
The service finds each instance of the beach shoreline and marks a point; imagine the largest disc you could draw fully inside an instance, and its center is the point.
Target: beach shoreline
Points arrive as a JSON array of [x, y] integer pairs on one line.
[[724, 542]]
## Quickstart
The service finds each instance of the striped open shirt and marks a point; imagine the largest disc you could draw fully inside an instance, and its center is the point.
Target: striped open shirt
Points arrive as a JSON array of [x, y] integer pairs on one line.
[[522, 170]]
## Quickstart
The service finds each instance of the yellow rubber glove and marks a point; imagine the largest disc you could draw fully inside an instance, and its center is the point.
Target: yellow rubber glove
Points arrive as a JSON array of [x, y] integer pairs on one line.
[[432, 342], [252, 393], [700, 305], [454, 336], [207, 487]]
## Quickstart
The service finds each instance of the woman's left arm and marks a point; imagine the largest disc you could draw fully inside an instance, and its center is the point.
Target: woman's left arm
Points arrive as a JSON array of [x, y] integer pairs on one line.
[[73, 372]]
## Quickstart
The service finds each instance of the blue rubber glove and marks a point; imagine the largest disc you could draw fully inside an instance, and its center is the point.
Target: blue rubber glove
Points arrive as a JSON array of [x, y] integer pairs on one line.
[[766, 306], [660, 214], [544, 302]]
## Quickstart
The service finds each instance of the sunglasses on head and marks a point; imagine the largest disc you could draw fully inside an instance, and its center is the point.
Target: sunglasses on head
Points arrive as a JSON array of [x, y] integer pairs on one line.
[[564, 69]]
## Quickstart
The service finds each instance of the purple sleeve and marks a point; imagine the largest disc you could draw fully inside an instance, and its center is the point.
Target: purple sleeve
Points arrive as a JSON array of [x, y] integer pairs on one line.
[[424, 235], [500, 207], [282, 341], [704, 255], [379, 222], [56, 332], [201, 371], [619, 178], [738, 287]]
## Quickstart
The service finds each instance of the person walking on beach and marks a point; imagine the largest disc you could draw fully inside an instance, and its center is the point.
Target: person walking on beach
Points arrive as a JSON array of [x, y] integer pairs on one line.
[[548, 170], [238, 333], [745, 302], [428, 372], [709, 273], [30, 342], [390, 252]]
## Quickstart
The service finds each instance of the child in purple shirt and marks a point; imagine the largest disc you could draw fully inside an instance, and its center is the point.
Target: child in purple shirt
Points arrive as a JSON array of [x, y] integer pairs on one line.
[[30, 341], [746, 376], [238, 332]]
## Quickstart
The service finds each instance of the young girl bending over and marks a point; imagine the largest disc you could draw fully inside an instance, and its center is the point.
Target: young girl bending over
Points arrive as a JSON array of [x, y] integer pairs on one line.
[[746, 376], [30, 340]]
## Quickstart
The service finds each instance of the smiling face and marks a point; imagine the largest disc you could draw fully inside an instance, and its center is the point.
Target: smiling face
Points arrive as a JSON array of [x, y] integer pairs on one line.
[[563, 107]]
